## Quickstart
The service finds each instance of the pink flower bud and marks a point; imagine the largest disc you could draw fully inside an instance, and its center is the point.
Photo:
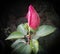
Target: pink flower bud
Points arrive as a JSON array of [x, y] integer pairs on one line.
[[33, 18]]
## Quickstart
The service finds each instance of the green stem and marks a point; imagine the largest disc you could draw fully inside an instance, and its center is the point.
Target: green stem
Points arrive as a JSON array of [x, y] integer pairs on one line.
[[29, 30]]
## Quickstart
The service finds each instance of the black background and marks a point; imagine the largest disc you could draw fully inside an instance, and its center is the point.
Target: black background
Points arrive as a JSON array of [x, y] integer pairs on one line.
[[5, 7]]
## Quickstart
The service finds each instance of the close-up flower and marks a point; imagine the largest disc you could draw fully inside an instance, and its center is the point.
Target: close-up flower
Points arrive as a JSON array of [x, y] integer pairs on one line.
[[25, 41], [33, 18]]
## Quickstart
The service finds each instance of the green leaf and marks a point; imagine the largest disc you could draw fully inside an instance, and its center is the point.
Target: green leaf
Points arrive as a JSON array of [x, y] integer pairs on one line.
[[27, 28], [23, 48], [21, 29], [15, 35], [17, 47], [34, 45], [44, 30], [17, 42]]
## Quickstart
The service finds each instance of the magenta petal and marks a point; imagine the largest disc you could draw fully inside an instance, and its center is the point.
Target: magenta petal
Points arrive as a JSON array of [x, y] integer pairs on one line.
[[33, 18]]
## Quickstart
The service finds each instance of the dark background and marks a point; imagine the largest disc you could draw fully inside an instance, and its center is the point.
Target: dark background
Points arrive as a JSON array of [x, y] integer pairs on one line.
[[19, 9]]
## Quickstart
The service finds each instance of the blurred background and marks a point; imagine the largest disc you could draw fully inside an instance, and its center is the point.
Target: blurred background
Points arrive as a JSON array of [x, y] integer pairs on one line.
[[13, 13]]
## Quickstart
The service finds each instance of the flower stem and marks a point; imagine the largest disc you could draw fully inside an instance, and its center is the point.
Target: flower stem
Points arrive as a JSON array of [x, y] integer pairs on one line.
[[29, 30]]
